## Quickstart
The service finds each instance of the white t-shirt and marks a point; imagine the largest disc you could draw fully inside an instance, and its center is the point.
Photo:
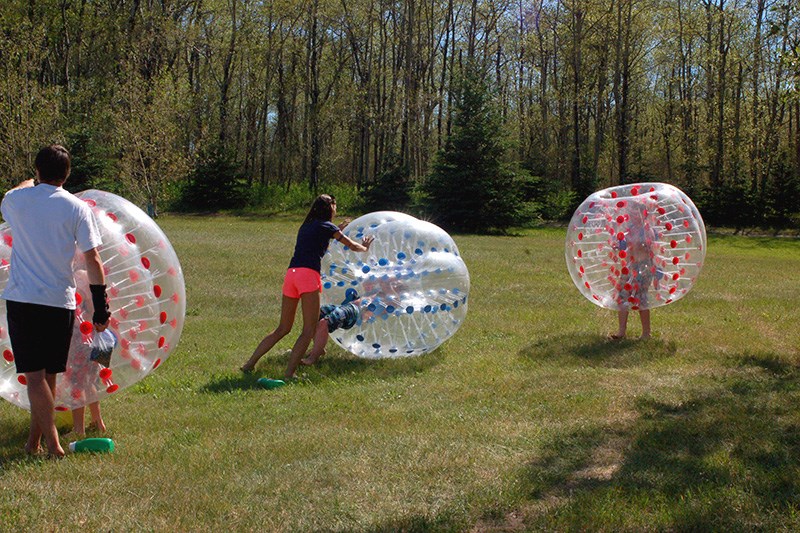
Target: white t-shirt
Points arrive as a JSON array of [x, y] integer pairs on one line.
[[47, 223]]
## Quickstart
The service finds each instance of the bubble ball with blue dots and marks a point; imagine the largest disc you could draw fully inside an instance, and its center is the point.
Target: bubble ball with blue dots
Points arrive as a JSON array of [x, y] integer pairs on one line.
[[412, 286]]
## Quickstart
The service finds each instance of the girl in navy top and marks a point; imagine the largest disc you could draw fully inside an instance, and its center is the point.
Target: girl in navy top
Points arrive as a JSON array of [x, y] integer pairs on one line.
[[302, 282]]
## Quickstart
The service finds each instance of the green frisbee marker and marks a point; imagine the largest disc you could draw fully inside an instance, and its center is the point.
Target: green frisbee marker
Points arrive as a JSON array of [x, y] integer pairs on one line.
[[270, 384]]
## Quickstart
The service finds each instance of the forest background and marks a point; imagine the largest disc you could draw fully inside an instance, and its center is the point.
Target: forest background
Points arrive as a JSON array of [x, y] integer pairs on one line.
[[503, 110]]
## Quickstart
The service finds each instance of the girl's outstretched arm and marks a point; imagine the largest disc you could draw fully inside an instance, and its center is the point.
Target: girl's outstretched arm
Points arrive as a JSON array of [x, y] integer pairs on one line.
[[353, 245]]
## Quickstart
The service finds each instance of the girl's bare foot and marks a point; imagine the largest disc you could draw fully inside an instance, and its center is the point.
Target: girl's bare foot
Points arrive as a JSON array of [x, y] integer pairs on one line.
[[247, 369], [615, 336], [644, 336]]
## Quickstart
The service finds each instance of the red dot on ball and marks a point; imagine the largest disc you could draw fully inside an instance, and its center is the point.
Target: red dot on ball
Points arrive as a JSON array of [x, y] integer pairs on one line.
[[620, 236], [161, 341], [673, 244], [580, 236], [157, 290], [668, 226], [146, 263], [587, 285], [8, 355], [675, 260], [162, 317], [105, 373], [675, 276], [623, 254], [22, 379], [585, 219], [131, 238], [620, 219], [613, 194], [112, 388], [86, 327]]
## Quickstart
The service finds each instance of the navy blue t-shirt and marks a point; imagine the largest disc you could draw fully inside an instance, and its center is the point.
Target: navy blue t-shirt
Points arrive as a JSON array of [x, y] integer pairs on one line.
[[312, 242]]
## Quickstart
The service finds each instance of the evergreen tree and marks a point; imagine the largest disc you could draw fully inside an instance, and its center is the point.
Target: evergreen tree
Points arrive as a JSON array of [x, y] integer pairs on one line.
[[471, 188]]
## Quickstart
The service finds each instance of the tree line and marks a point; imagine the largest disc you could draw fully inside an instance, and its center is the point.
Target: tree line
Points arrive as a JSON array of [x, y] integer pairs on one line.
[[150, 94]]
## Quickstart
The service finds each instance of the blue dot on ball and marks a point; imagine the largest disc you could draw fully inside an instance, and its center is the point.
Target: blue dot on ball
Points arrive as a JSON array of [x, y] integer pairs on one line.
[[383, 261], [360, 338], [365, 269], [340, 284], [418, 251], [401, 256], [327, 285], [409, 309]]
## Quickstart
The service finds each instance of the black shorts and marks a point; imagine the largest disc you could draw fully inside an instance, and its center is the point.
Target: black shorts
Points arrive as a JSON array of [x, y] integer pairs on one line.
[[40, 336]]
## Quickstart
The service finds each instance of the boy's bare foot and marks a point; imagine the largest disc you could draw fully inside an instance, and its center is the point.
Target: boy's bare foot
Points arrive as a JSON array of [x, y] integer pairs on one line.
[[644, 337], [247, 369], [615, 337]]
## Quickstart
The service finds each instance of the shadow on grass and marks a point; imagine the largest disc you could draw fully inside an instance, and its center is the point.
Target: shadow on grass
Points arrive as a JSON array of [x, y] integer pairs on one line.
[[12, 441], [593, 350], [727, 458], [336, 365]]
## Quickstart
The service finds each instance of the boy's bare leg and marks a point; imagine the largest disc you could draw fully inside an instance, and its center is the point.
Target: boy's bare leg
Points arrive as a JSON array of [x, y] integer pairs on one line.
[[320, 340], [41, 394]]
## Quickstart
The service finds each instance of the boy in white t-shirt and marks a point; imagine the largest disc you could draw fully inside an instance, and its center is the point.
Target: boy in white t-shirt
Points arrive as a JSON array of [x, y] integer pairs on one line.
[[47, 224]]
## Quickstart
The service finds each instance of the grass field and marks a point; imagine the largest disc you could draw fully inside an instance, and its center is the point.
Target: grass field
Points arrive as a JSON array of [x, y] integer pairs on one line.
[[526, 419]]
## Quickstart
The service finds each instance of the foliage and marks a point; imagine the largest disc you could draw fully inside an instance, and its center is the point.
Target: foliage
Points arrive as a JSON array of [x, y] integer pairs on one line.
[[92, 162], [471, 188], [392, 191], [216, 182], [591, 94]]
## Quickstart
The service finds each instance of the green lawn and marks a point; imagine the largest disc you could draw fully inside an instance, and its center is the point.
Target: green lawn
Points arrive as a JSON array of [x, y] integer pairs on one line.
[[526, 419]]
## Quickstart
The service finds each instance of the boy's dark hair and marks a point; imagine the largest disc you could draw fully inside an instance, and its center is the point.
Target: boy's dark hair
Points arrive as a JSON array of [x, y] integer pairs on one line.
[[53, 163], [321, 208]]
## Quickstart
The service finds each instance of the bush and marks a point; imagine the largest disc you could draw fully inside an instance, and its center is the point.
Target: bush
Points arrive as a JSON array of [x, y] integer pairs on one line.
[[215, 183]]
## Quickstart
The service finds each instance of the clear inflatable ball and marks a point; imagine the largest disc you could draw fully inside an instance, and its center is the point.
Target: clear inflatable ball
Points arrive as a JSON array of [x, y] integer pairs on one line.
[[636, 247], [147, 300], [411, 287]]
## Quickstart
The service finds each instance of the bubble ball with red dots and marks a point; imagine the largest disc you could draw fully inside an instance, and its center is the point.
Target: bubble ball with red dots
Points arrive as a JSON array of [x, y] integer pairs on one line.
[[636, 247], [147, 300], [412, 286]]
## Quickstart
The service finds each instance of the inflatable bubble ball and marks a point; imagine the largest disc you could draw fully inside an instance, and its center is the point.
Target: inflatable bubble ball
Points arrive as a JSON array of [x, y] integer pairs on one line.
[[636, 247], [147, 301], [411, 287]]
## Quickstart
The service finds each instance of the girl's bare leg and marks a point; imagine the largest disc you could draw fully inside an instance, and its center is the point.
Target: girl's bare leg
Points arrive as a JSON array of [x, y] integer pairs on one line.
[[288, 309], [310, 304]]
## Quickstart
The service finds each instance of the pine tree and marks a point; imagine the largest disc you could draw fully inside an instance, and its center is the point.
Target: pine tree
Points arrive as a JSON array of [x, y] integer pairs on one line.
[[471, 188]]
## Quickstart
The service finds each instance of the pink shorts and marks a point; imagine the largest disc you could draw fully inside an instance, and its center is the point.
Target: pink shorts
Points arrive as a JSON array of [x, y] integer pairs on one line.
[[300, 281]]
